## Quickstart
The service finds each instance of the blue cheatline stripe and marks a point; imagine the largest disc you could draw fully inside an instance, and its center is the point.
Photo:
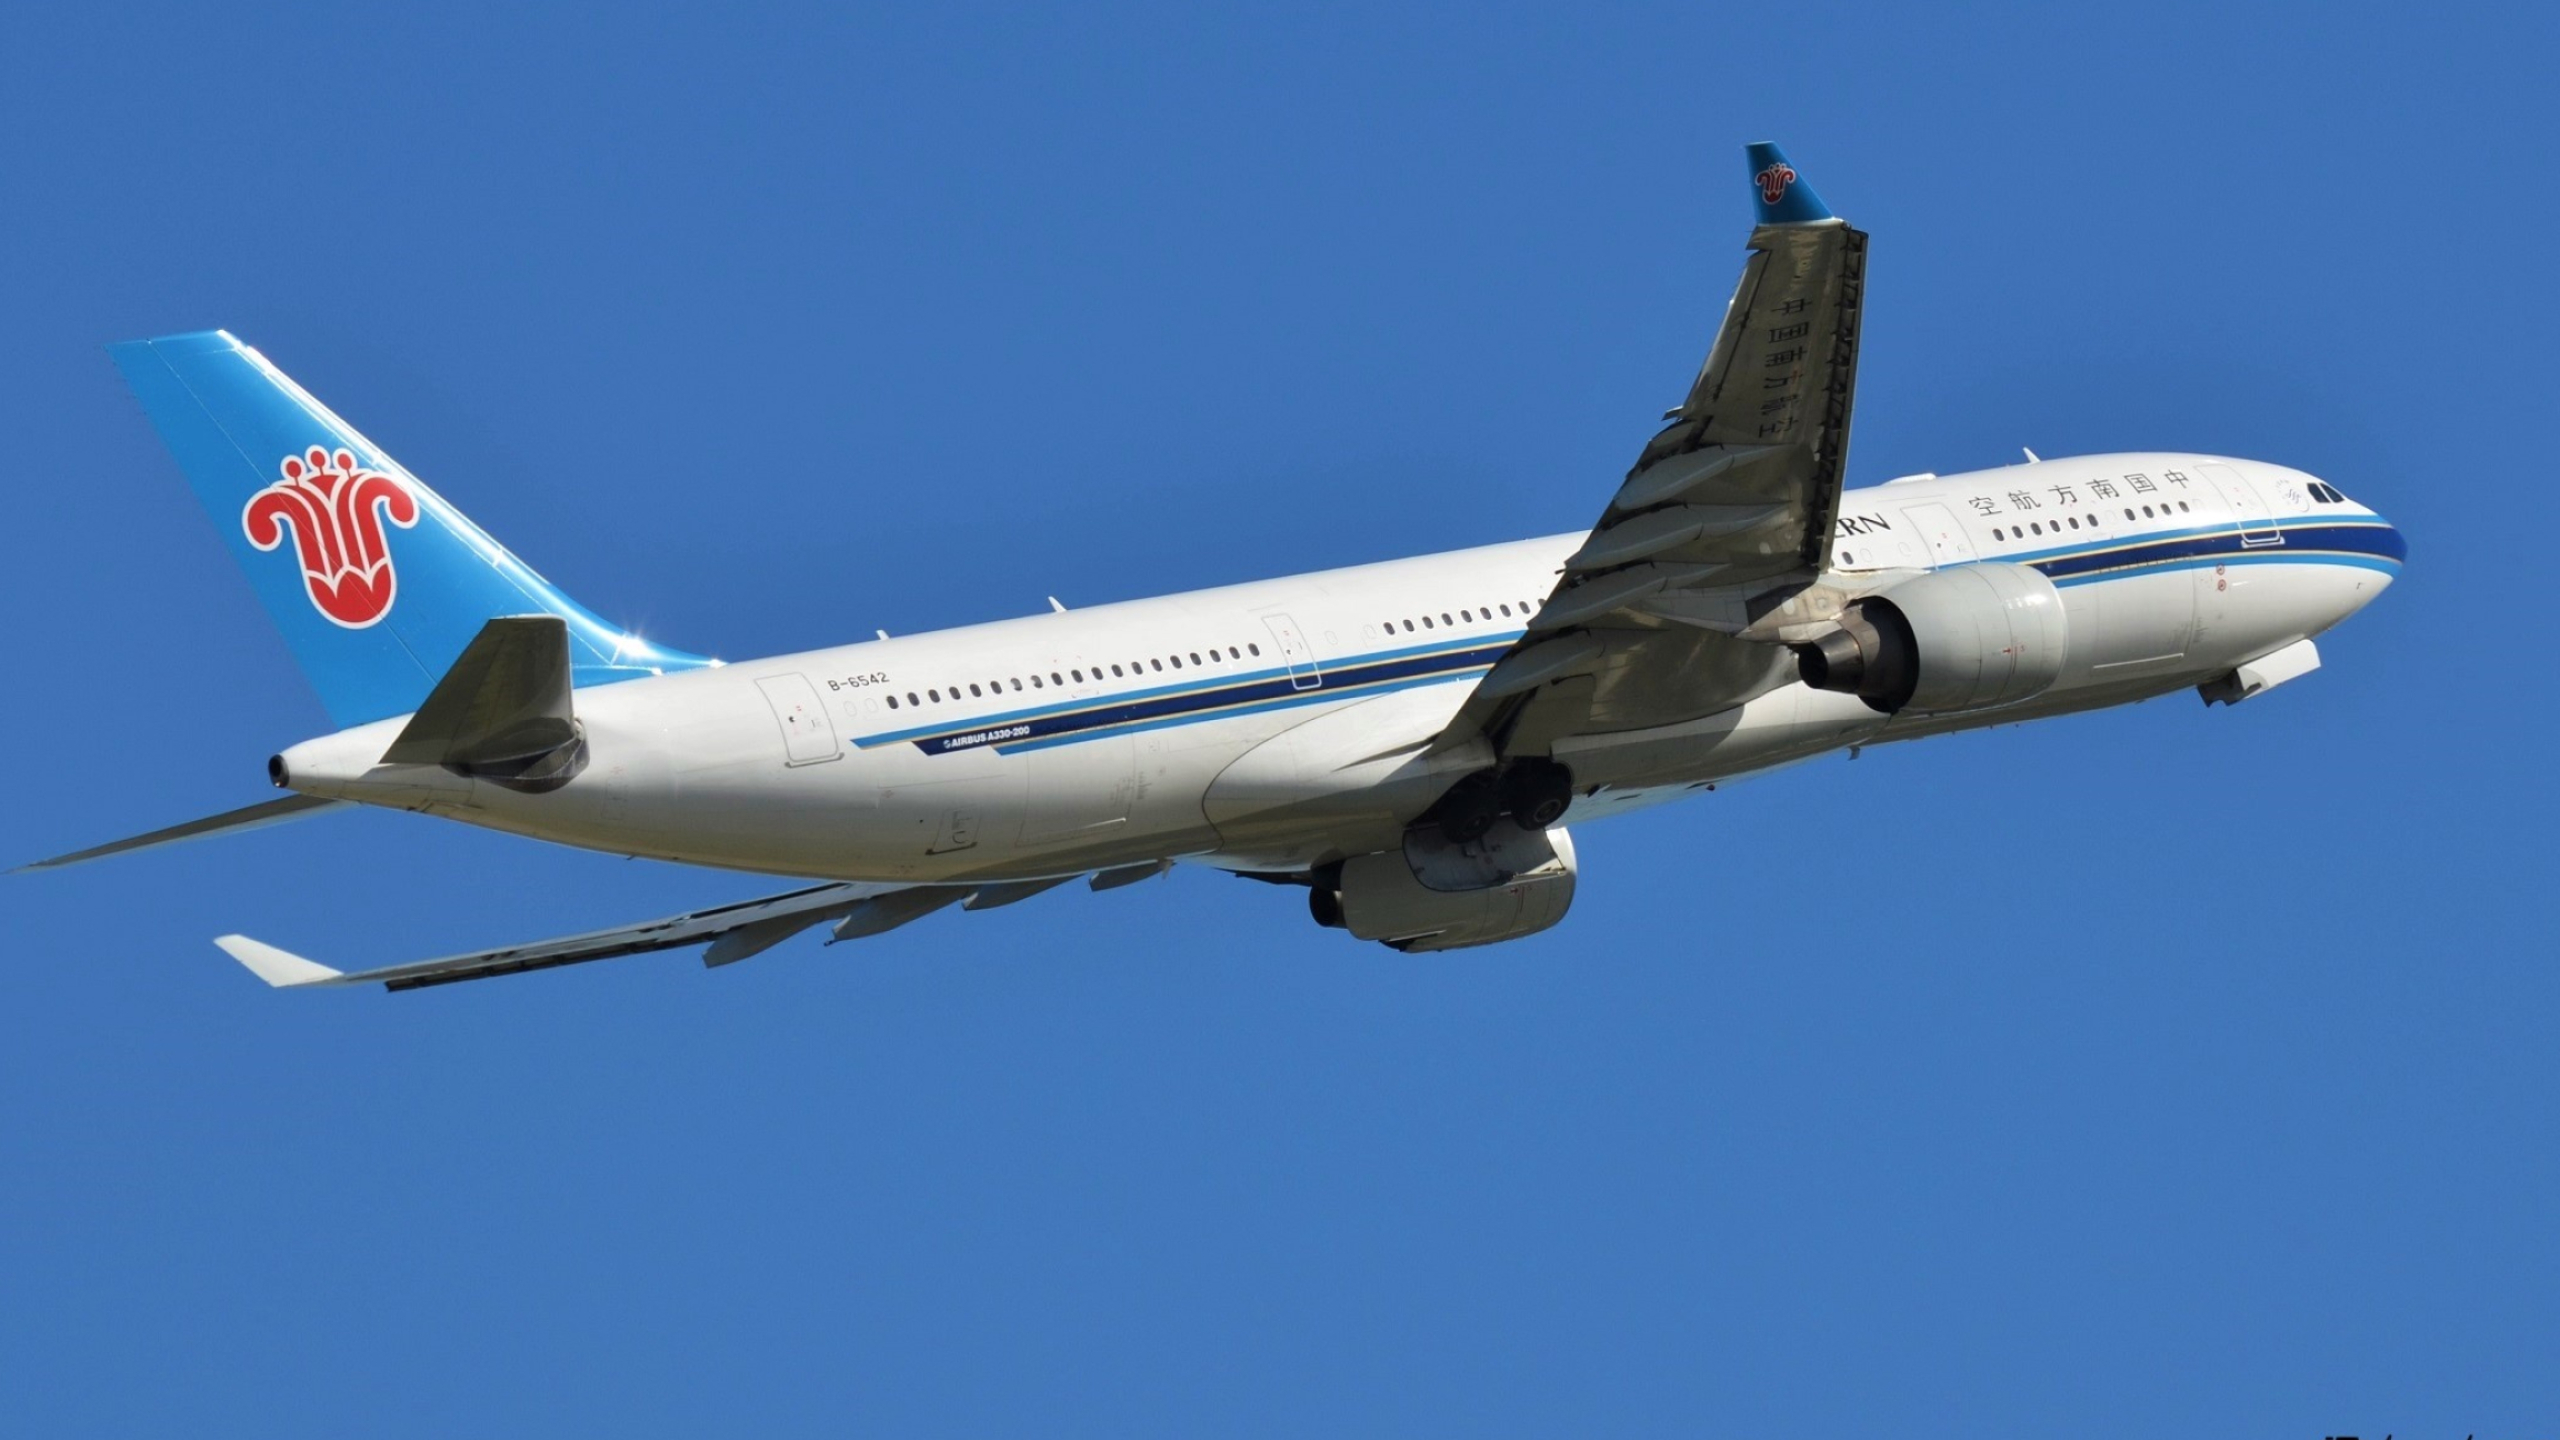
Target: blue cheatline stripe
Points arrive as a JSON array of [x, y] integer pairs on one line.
[[1062, 722], [2368, 545], [2300, 557], [2291, 532]]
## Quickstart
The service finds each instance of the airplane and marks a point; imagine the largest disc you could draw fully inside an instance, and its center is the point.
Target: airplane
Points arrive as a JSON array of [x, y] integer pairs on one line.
[[1403, 740]]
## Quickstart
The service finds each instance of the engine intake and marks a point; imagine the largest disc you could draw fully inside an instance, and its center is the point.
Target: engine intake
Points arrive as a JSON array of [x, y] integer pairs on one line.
[[1970, 638]]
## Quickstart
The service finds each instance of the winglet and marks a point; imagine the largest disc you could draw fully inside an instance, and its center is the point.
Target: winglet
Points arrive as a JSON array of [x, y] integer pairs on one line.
[[1784, 198], [277, 967]]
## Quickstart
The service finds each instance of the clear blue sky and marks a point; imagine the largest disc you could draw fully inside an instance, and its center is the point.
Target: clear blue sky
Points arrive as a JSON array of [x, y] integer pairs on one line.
[[2158, 1072]]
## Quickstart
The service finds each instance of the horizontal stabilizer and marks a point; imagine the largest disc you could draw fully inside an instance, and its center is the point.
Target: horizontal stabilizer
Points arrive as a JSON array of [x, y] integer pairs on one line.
[[254, 817], [502, 712]]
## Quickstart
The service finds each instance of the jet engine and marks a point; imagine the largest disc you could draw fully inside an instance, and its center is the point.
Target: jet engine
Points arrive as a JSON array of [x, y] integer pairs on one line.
[[1963, 639], [1436, 894]]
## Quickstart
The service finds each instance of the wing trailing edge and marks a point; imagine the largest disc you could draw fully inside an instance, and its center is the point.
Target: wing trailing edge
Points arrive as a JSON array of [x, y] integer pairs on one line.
[[732, 932], [1727, 511], [736, 931]]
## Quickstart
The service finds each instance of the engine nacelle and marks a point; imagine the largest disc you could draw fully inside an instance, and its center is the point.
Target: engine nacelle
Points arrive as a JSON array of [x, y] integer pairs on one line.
[[1436, 895], [1963, 639]]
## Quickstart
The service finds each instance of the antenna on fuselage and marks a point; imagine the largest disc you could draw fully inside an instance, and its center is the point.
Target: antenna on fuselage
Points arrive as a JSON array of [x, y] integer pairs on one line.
[[1054, 605], [2032, 457]]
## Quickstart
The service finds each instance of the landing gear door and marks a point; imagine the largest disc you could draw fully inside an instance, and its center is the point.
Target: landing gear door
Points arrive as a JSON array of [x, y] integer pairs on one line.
[[808, 736], [1304, 674], [2257, 521], [1942, 533]]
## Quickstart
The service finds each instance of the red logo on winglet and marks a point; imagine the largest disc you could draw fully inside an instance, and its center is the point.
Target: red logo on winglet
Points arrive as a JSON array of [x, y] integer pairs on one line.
[[335, 509], [1774, 182]]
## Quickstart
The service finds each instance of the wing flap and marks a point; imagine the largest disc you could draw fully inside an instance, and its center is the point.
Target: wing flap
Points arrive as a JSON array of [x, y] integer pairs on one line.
[[1727, 511], [1761, 444], [770, 921], [733, 932]]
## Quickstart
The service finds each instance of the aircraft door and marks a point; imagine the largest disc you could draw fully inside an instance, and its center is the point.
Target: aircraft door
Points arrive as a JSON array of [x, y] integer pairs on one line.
[[2257, 521], [1304, 674], [1947, 542], [808, 736]]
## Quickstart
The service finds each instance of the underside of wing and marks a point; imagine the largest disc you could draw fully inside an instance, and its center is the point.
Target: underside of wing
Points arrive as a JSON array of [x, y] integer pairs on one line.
[[732, 932], [1674, 606]]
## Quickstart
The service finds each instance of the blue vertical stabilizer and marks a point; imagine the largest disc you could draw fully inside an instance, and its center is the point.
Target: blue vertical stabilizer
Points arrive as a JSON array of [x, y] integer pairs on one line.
[[377, 583]]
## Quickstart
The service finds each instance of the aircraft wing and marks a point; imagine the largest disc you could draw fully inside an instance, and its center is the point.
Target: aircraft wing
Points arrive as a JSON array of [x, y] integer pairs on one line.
[[1667, 611], [733, 932]]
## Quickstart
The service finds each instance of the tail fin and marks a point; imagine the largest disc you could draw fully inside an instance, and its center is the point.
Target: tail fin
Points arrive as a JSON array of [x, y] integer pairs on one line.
[[377, 583]]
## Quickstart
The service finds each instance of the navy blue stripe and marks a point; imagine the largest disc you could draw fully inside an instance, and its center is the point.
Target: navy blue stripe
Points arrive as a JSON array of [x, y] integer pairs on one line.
[[2380, 541]]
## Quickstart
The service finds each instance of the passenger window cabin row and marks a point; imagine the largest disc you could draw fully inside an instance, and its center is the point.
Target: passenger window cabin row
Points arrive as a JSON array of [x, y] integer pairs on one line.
[[1061, 679], [2037, 527], [1056, 679], [1478, 616]]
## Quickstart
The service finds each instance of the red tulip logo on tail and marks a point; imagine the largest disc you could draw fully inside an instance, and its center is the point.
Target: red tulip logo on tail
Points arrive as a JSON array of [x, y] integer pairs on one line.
[[1774, 182], [335, 509]]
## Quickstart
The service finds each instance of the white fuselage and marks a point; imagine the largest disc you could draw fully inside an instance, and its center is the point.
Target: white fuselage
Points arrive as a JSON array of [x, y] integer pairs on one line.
[[1282, 723]]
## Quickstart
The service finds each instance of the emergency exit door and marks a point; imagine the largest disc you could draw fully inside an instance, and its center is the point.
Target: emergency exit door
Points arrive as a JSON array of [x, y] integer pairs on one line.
[[1304, 673], [808, 736], [2257, 521], [1940, 531]]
